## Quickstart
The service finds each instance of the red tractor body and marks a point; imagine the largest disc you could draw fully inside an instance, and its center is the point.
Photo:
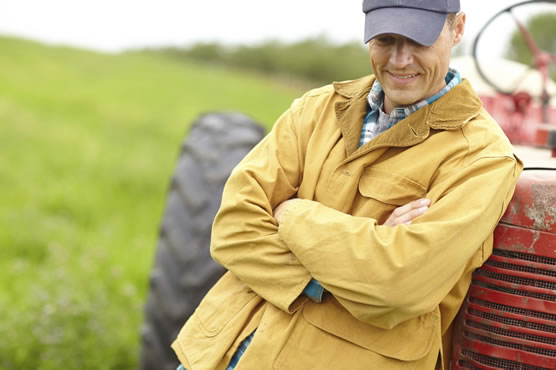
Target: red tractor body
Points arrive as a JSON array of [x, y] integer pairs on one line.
[[520, 118], [508, 319]]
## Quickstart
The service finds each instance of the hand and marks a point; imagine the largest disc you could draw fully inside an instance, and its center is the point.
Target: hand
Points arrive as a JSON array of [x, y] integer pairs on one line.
[[407, 213], [281, 208]]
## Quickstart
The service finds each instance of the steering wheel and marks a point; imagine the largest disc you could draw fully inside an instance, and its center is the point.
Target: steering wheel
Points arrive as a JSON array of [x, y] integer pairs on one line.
[[541, 59]]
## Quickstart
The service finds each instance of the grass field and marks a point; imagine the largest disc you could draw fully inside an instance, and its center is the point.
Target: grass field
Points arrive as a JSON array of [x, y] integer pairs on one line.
[[88, 144]]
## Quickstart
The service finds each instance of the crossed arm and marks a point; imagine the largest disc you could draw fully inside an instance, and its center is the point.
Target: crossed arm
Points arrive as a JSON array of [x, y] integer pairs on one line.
[[401, 215], [276, 246]]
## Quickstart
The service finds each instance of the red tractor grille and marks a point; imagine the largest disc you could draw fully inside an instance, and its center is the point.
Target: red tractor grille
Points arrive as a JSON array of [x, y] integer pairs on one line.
[[514, 322], [521, 347], [524, 257], [516, 310], [495, 363], [516, 279], [508, 319], [487, 328], [506, 289]]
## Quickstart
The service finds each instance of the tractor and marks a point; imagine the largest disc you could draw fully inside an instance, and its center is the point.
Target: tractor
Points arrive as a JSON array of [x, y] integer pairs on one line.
[[508, 319]]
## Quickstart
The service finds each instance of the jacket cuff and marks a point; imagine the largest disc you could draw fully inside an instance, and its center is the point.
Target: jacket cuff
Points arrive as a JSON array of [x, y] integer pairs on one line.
[[314, 291]]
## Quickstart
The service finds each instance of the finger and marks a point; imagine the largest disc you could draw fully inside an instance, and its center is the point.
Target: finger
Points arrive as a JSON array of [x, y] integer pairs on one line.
[[403, 214], [406, 218], [410, 216], [279, 211], [416, 204]]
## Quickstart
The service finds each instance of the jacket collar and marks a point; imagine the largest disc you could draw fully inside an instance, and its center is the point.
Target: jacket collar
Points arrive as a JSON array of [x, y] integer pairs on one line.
[[353, 88], [452, 111]]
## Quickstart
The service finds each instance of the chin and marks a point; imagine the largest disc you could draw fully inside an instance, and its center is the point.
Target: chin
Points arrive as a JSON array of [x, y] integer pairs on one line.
[[406, 102]]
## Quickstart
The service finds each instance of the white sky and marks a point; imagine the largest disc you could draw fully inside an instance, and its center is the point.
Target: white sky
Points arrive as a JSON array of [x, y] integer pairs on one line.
[[114, 25]]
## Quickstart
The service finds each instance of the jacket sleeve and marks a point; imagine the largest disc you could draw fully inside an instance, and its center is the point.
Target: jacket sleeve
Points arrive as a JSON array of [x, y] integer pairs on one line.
[[384, 275], [245, 234]]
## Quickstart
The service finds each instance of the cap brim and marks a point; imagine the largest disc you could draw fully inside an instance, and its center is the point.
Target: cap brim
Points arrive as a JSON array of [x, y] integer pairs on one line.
[[419, 25]]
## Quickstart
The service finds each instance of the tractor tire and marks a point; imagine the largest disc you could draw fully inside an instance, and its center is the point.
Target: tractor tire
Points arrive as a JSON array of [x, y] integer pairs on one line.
[[183, 270]]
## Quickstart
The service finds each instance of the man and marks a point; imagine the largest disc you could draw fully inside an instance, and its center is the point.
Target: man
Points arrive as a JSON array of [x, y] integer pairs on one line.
[[351, 231]]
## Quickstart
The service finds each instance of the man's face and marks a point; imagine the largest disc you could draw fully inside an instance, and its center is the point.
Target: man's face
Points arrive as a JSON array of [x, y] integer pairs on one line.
[[410, 72]]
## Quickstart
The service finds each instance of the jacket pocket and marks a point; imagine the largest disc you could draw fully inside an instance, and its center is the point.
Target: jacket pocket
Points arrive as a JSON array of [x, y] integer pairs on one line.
[[222, 303], [408, 341], [208, 335], [388, 187]]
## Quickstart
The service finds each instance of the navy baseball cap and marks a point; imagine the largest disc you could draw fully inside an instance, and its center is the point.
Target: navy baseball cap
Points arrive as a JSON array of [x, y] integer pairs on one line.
[[418, 20]]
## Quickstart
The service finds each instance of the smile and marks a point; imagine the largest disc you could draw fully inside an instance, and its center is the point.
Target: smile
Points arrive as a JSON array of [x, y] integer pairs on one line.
[[403, 78]]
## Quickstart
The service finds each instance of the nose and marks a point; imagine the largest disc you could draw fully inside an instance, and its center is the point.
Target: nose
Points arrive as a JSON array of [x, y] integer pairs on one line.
[[401, 54]]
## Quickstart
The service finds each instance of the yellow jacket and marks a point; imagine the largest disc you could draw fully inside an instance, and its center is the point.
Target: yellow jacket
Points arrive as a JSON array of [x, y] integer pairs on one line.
[[393, 292]]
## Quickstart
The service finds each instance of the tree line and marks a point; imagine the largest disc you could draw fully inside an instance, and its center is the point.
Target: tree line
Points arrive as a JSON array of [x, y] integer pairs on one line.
[[314, 60], [318, 61]]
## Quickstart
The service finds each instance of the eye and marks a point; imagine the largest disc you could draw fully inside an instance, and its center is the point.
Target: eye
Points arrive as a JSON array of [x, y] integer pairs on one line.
[[384, 40], [415, 44]]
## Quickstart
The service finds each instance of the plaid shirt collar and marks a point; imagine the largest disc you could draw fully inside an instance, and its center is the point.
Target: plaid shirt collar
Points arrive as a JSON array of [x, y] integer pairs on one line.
[[376, 103]]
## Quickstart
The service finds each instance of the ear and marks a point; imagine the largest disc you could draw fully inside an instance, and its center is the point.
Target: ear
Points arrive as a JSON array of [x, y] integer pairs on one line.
[[459, 28]]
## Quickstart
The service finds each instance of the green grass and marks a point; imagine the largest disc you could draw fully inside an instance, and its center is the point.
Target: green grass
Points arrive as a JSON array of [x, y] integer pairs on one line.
[[88, 144]]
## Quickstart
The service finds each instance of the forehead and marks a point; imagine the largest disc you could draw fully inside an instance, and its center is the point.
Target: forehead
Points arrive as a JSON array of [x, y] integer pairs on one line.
[[395, 37], [444, 33]]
